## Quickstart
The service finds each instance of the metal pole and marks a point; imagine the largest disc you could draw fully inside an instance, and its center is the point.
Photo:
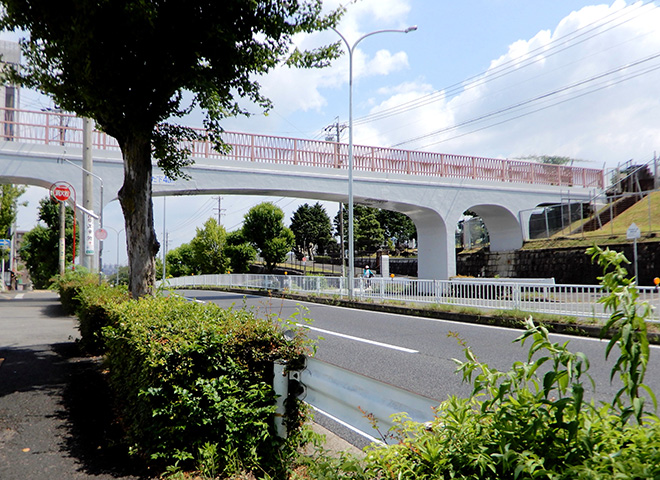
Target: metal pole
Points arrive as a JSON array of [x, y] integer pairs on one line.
[[635, 256], [351, 236], [164, 237], [117, 278], [62, 242], [88, 196]]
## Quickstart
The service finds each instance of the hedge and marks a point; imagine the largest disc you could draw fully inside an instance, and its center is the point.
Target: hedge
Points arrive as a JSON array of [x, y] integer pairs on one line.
[[189, 375]]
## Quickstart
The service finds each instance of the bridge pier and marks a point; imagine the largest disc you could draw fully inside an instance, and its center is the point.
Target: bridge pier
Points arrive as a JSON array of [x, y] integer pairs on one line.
[[436, 252]]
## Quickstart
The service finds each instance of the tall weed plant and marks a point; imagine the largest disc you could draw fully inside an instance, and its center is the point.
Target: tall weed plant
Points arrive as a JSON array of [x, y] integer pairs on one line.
[[534, 421]]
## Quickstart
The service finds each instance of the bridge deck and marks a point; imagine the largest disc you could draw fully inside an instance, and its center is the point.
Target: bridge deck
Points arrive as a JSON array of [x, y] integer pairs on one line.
[[58, 128]]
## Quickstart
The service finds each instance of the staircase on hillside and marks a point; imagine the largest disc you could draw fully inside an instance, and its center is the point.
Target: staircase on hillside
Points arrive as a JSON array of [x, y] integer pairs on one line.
[[634, 183], [608, 213]]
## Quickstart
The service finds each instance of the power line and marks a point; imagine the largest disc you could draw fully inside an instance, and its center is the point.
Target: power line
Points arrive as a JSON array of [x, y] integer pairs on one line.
[[594, 90], [513, 65], [538, 98]]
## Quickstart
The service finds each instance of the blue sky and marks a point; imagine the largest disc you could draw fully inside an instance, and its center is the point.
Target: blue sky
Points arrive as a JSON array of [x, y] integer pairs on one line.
[[589, 65]]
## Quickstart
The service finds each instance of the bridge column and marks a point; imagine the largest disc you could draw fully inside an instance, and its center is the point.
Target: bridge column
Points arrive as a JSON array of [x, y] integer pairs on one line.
[[436, 252], [503, 227]]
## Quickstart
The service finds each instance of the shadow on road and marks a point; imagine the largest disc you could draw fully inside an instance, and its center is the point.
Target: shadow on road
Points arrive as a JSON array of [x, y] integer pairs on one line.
[[56, 382]]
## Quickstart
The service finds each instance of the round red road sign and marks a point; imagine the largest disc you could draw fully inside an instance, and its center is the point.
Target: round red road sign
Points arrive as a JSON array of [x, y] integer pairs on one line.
[[101, 234], [61, 191]]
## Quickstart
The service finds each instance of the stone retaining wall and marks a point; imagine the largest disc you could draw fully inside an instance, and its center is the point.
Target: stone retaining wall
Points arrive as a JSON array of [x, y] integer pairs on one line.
[[565, 265]]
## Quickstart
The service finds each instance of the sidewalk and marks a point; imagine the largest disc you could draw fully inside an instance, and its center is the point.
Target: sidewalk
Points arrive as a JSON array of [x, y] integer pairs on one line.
[[52, 402], [50, 427]]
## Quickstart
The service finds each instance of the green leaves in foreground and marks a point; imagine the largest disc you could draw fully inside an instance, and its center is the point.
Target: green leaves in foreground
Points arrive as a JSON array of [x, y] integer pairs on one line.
[[532, 421]]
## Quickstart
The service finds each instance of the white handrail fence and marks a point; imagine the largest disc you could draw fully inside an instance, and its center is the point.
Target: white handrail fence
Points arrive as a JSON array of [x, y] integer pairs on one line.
[[489, 294]]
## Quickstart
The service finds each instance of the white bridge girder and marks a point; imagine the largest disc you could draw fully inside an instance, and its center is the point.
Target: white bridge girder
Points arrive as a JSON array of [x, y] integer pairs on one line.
[[435, 204]]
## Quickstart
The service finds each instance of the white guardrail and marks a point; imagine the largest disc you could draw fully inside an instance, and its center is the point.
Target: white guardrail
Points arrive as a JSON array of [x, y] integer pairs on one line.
[[356, 401], [534, 296]]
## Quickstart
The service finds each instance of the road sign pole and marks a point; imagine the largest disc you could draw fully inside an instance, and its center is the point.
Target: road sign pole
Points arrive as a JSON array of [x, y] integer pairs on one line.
[[62, 241], [633, 233], [635, 256]]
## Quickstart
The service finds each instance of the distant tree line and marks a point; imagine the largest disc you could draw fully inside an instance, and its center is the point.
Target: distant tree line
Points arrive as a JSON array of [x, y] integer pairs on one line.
[[214, 250]]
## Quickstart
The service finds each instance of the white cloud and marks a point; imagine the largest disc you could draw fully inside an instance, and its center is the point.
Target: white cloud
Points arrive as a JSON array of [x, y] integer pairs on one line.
[[610, 118]]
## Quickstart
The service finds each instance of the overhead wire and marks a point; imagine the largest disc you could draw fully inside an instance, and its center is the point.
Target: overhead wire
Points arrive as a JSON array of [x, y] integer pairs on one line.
[[593, 90], [536, 99], [515, 64]]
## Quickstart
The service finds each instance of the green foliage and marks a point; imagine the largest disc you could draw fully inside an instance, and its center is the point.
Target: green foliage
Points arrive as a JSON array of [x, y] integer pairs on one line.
[[194, 381], [629, 331], [9, 195], [39, 248], [207, 248], [312, 230], [239, 252], [82, 295], [263, 226], [95, 313], [528, 422], [551, 159], [376, 227], [369, 235], [180, 261], [69, 286], [171, 57], [533, 421]]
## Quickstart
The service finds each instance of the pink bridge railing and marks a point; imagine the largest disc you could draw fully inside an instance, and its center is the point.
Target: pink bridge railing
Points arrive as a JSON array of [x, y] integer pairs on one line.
[[57, 128]]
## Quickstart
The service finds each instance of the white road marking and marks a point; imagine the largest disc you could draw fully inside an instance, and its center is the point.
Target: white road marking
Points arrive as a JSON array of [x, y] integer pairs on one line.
[[359, 339], [19, 295], [349, 426]]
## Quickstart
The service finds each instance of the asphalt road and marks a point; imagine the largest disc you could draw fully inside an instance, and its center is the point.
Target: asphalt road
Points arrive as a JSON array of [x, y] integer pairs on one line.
[[416, 353]]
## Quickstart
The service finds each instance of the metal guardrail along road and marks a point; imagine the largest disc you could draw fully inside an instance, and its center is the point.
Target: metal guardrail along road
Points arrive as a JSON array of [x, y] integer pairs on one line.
[[492, 294]]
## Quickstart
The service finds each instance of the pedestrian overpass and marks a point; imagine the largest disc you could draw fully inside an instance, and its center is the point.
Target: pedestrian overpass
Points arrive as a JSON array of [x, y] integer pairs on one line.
[[433, 189]]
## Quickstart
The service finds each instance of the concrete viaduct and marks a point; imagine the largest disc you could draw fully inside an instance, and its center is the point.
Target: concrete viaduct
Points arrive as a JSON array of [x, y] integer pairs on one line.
[[432, 189]]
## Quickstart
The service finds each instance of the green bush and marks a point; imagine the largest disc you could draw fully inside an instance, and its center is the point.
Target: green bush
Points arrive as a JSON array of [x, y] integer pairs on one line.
[[532, 421], [83, 296], [194, 378], [69, 285], [95, 307]]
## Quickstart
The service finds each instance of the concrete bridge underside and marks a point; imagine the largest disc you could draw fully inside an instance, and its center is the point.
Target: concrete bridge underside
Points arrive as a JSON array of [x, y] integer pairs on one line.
[[434, 204]]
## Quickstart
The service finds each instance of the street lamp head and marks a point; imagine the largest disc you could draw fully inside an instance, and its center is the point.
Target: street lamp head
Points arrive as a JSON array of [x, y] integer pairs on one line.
[[410, 29]]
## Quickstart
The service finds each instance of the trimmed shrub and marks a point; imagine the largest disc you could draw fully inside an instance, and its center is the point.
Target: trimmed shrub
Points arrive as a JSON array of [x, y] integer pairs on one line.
[[69, 286], [193, 377], [95, 307]]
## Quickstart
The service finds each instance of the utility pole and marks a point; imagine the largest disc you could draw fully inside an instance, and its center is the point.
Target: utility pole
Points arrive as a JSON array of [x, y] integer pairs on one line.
[[87, 252], [220, 210], [333, 134]]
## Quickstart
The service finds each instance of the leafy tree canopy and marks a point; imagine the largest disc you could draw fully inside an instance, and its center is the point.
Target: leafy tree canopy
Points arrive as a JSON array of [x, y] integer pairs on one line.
[[264, 228], [179, 262], [207, 248], [8, 210], [239, 252], [127, 65], [312, 229], [9, 207], [373, 226], [551, 159]]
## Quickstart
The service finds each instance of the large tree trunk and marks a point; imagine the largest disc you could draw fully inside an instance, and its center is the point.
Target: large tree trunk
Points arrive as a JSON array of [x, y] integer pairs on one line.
[[135, 198]]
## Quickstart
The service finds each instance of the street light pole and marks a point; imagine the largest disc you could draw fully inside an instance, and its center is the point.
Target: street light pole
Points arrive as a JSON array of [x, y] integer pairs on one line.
[[351, 233], [117, 232]]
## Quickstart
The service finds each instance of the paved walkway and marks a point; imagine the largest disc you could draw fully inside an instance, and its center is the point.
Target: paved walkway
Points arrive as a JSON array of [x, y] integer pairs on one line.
[[51, 402]]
